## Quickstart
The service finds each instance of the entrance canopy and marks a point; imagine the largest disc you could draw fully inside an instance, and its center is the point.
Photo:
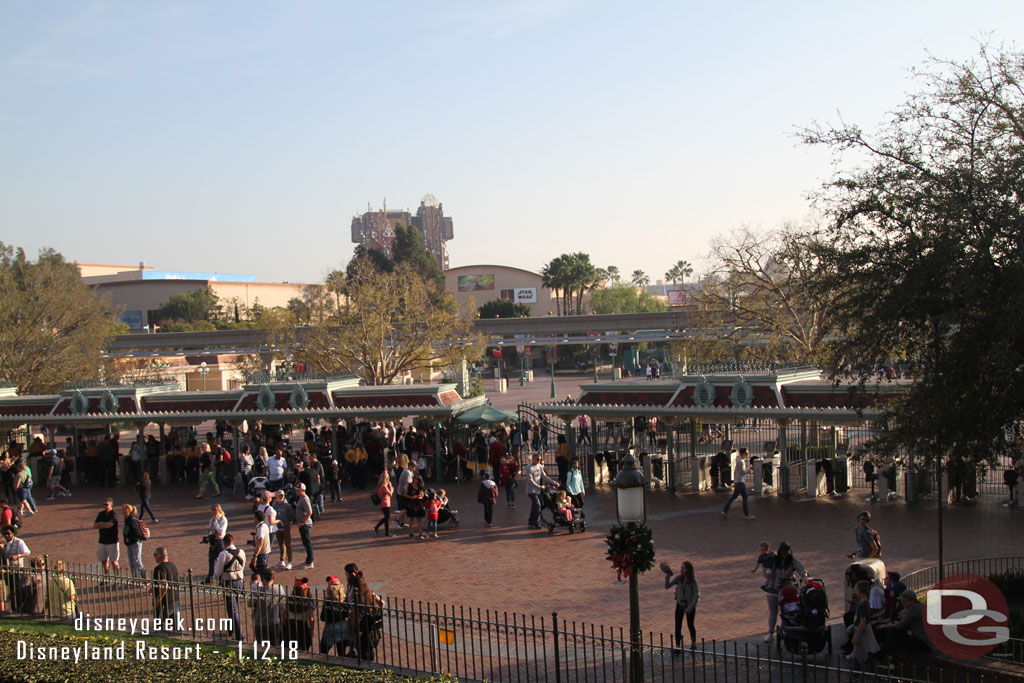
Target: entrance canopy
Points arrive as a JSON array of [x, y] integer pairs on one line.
[[273, 402], [487, 415], [725, 398]]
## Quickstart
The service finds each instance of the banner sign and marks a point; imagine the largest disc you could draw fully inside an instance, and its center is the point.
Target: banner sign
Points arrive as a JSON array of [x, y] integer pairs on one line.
[[472, 283], [526, 295]]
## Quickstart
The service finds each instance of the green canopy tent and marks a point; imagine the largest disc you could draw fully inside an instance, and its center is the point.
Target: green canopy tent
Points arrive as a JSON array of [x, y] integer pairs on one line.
[[486, 415]]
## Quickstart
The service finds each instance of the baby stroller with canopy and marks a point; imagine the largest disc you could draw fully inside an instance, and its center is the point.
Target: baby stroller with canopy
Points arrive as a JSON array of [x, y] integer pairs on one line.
[[446, 517], [552, 516], [803, 614]]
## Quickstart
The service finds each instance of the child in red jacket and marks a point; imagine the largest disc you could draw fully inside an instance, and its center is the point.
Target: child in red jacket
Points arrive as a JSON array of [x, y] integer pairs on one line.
[[433, 510], [488, 496]]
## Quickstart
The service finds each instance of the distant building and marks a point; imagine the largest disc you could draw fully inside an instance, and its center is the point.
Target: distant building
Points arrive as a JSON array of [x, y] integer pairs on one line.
[[376, 229], [487, 281], [139, 290]]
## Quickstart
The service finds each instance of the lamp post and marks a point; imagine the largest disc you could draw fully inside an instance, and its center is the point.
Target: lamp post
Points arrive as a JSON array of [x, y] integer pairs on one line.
[[204, 370], [552, 380], [630, 509]]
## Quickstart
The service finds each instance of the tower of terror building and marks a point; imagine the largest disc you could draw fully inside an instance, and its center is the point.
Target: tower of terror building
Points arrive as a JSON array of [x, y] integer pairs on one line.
[[376, 229]]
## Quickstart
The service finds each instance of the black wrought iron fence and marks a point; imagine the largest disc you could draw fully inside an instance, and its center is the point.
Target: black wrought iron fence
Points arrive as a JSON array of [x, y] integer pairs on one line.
[[404, 635]]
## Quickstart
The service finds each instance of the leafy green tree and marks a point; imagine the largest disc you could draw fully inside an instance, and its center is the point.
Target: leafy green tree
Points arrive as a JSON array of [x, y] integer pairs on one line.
[[395, 322], [409, 248], [53, 327], [623, 298], [189, 307], [924, 255], [497, 308]]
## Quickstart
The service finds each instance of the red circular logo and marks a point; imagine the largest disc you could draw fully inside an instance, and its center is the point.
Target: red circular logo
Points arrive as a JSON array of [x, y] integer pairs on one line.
[[965, 616]]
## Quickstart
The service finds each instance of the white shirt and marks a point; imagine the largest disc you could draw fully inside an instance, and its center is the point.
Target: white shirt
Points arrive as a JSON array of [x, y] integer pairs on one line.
[[262, 539], [16, 546], [740, 472], [219, 526], [275, 468], [236, 571], [404, 480], [246, 462]]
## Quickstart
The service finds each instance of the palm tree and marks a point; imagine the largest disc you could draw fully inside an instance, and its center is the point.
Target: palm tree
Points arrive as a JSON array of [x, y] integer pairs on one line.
[[613, 273], [555, 276], [640, 279], [680, 271]]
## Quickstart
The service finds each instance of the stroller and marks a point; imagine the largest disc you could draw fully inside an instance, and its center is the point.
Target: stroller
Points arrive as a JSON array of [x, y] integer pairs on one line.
[[446, 517], [803, 614], [549, 507]]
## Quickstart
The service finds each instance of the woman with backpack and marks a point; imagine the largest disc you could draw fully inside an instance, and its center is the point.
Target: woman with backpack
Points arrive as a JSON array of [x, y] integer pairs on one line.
[[384, 492], [133, 537]]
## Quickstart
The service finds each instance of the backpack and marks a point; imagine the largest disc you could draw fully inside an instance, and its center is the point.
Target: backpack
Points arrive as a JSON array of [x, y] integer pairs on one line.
[[259, 467], [15, 519], [878, 541], [375, 498], [143, 529], [225, 456]]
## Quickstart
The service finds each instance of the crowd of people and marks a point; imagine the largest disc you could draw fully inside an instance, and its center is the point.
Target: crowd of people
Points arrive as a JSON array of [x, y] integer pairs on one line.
[[288, 489]]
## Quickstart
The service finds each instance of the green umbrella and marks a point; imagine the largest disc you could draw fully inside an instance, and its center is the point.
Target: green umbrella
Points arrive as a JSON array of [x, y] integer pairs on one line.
[[486, 415]]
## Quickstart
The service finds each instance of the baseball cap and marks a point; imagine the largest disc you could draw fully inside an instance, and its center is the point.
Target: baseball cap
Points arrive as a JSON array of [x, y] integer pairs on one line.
[[302, 487]]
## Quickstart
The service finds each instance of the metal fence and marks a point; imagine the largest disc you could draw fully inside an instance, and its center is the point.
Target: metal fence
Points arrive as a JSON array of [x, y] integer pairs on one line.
[[416, 637]]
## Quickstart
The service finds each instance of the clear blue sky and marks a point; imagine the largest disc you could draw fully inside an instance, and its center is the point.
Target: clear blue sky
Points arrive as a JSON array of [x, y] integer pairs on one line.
[[243, 136]]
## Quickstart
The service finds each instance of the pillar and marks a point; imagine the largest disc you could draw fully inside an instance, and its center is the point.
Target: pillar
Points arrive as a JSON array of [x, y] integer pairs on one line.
[[783, 483]]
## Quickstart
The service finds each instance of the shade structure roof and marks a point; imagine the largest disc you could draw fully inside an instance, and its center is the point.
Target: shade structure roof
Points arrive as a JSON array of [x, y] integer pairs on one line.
[[486, 415], [776, 395], [275, 402]]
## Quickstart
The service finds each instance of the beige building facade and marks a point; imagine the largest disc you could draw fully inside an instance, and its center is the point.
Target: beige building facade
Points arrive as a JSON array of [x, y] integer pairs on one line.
[[485, 282], [137, 291]]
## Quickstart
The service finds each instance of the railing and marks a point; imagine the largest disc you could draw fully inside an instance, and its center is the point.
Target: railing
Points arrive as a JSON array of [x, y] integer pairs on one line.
[[415, 637]]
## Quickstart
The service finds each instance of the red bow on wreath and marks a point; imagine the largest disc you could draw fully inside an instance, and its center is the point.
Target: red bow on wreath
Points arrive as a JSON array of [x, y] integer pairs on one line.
[[622, 564]]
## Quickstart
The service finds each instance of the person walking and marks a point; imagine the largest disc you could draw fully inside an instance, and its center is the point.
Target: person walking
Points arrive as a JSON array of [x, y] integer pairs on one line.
[[415, 505], [229, 571], [384, 492], [536, 477], [687, 597], [574, 484], [304, 520], [145, 491], [739, 484], [133, 537], [562, 459], [787, 572], [508, 471], [165, 595], [207, 475], [487, 496], [868, 542]]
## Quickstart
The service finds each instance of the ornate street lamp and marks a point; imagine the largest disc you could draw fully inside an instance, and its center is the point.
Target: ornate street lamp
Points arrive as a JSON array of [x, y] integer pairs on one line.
[[630, 510], [204, 370]]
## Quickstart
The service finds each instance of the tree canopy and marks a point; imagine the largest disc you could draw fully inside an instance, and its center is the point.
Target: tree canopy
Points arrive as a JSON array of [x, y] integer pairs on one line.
[[759, 293], [923, 254], [572, 275], [498, 308], [623, 298], [394, 322], [197, 305], [52, 326]]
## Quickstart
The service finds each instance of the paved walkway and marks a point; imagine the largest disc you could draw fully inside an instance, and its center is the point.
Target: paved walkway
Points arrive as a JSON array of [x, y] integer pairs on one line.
[[509, 567]]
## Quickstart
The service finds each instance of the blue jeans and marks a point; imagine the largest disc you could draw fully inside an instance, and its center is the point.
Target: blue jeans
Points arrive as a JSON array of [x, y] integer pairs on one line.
[[534, 508], [135, 560], [26, 495], [510, 492], [144, 508], [738, 489], [231, 604]]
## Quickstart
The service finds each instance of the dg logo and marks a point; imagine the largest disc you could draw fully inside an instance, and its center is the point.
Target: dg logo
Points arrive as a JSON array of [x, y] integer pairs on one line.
[[966, 616]]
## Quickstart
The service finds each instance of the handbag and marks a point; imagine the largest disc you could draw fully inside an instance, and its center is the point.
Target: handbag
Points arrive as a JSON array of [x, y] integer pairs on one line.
[[375, 498]]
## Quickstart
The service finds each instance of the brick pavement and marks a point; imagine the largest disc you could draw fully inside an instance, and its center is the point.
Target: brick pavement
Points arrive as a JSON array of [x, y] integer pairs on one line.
[[510, 567]]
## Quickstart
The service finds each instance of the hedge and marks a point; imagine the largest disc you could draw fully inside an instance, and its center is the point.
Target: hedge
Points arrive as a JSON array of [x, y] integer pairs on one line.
[[211, 668]]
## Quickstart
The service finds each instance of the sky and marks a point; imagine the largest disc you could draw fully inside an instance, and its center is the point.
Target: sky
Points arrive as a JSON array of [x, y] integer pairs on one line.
[[243, 136]]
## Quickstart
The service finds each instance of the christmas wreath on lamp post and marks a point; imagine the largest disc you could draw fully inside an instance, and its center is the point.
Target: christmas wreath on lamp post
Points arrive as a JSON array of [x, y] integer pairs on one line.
[[631, 549]]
